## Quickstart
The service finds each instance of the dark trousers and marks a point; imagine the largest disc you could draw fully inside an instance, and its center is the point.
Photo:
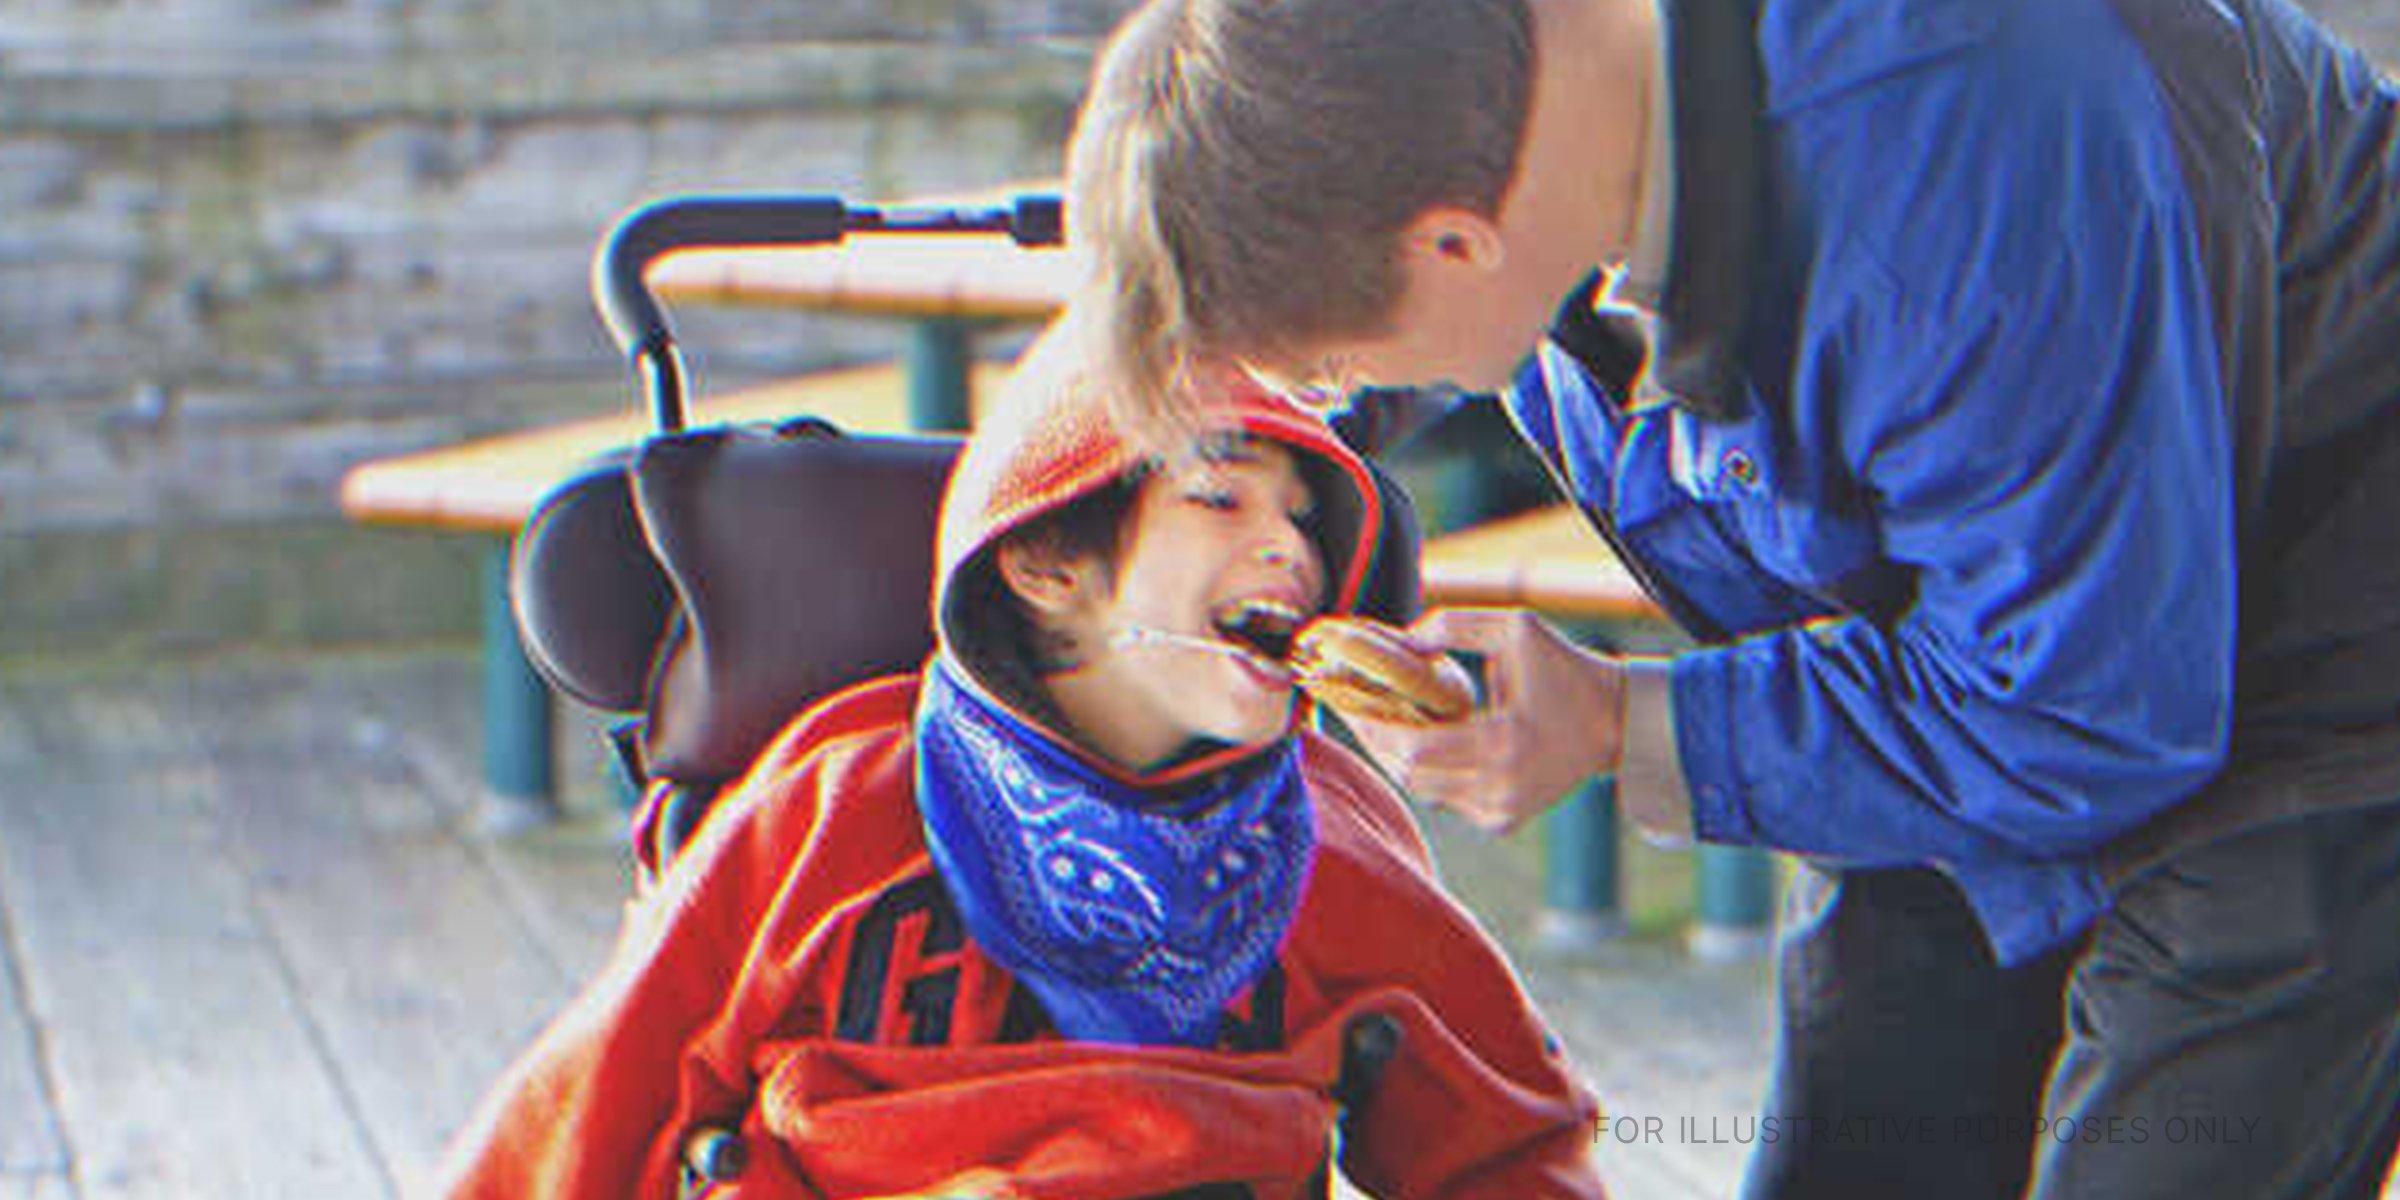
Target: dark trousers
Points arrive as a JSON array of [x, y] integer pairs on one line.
[[2231, 1028]]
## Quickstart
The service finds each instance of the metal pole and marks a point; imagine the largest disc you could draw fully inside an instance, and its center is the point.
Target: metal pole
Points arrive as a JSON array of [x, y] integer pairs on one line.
[[1580, 893], [1736, 902], [940, 350], [516, 712]]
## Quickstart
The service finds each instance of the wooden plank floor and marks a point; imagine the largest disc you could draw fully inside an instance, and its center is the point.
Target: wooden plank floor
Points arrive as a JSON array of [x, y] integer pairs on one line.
[[253, 942], [255, 945]]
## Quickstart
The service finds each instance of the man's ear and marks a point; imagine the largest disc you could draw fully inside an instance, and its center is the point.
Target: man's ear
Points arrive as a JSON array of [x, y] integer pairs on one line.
[[1050, 582], [1447, 237]]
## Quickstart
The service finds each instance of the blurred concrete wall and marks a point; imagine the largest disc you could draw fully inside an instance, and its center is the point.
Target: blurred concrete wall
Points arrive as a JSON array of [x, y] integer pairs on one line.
[[244, 243]]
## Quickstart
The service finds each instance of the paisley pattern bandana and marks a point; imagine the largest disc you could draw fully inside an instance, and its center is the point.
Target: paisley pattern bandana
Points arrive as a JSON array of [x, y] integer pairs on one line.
[[1135, 918]]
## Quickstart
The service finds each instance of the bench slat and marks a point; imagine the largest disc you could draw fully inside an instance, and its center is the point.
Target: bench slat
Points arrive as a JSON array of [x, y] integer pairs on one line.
[[978, 277], [889, 277], [1546, 559], [492, 484]]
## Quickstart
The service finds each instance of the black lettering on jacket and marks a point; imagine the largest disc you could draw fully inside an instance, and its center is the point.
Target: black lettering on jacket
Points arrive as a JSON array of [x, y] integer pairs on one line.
[[904, 965], [903, 939]]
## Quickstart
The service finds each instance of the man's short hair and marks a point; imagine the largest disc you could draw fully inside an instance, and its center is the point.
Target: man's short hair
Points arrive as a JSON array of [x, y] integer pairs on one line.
[[1242, 171]]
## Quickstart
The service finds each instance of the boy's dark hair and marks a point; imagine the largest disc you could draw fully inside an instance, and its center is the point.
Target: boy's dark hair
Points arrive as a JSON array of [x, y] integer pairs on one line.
[[1242, 171], [1009, 649]]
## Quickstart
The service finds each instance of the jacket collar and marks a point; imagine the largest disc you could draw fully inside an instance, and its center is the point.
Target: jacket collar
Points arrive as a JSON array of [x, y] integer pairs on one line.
[[1714, 88]]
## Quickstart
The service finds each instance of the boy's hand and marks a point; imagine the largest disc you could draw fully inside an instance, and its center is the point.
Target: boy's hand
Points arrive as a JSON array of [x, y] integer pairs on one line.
[[1554, 716]]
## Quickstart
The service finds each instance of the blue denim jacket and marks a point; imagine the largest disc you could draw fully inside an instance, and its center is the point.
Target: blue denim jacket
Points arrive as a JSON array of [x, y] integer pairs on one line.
[[1964, 531]]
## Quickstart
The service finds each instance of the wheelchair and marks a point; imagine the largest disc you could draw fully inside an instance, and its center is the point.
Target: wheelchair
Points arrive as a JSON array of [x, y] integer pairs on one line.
[[639, 590]]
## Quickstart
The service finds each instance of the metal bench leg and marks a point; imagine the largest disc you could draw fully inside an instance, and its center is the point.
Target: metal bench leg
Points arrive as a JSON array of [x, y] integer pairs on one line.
[[1737, 903], [940, 351], [516, 713], [1580, 906]]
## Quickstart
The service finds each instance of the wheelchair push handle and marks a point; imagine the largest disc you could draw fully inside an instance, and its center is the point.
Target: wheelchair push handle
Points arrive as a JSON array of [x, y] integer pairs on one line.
[[621, 288]]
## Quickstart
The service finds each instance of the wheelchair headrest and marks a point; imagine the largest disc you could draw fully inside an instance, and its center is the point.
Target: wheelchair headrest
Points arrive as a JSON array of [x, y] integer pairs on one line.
[[719, 581]]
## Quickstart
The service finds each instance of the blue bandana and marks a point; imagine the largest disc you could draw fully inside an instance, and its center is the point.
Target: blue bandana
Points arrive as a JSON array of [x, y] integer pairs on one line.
[[1134, 918]]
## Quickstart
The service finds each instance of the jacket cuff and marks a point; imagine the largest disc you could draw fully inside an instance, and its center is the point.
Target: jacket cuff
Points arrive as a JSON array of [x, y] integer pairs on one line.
[[1704, 737]]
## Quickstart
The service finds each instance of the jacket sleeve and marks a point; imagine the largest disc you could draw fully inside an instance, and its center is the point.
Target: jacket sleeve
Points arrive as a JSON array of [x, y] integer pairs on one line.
[[1479, 1100], [2027, 388], [600, 1104]]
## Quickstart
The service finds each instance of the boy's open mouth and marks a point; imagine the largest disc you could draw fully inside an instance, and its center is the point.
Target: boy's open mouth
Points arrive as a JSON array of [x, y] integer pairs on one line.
[[1263, 627]]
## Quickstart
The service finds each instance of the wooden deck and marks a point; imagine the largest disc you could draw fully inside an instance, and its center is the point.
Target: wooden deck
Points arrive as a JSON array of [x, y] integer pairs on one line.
[[255, 946], [253, 942]]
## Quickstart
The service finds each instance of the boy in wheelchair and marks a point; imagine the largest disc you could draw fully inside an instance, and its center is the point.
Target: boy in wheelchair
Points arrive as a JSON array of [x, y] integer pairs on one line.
[[1083, 909]]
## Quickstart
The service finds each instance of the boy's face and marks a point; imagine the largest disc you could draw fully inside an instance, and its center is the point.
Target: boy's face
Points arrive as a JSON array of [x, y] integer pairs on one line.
[[1212, 539]]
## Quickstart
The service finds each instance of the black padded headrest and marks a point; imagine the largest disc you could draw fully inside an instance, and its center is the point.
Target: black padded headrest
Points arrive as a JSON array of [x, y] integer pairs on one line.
[[720, 581], [800, 567], [590, 599]]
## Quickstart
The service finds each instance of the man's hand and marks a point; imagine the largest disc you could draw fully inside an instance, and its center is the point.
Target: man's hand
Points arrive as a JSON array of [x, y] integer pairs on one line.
[[1554, 716]]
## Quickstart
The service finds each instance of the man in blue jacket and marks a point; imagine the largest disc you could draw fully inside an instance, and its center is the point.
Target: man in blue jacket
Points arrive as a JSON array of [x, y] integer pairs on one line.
[[2007, 396]]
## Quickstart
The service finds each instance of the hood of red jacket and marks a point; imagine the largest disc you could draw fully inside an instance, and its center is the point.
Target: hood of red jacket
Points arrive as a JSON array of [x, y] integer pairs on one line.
[[1050, 440]]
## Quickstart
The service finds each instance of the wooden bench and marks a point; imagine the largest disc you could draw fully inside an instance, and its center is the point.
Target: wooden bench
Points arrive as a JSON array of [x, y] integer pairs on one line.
[[490, 486], [1547, 558], [945, 289], [1552, 561]]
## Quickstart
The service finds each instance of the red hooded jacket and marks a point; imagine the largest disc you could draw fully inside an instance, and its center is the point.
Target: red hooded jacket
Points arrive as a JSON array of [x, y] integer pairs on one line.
[[800, 975]]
